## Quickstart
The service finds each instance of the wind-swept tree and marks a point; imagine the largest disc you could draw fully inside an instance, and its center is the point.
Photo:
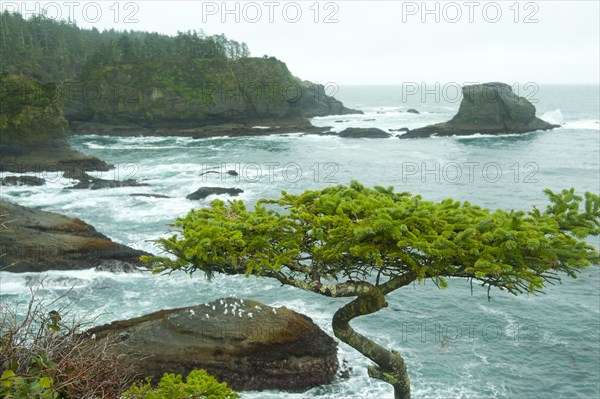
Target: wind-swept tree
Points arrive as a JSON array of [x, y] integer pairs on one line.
[[362, 243]]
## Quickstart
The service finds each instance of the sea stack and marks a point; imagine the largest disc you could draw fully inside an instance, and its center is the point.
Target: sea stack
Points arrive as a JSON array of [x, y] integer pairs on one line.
[[489, 108]]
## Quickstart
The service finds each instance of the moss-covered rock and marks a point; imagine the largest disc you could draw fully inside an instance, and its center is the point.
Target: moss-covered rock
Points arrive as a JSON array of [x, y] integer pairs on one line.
[[33, 129]]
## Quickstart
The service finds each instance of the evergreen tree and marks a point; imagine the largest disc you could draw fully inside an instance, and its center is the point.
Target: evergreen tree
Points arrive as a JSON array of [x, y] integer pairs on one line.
[[362, 243]]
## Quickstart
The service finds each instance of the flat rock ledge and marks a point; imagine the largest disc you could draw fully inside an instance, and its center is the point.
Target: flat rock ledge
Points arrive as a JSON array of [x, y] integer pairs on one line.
[[36, 241], [245, 343]]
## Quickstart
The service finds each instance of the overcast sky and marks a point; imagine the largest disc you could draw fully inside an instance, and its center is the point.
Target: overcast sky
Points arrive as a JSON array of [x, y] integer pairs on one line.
[[379, 42]]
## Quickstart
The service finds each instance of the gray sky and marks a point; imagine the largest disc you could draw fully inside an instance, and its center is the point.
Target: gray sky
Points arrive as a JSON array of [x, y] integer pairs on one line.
[[380, 42]]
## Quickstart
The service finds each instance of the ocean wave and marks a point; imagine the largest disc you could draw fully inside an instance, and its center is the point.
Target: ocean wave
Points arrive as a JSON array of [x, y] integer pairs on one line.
[[554, 116], [583, 124]]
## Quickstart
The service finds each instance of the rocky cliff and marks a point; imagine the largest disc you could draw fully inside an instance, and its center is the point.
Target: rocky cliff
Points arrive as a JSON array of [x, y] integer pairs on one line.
[[490, 108], [33, 129], [175, 98]]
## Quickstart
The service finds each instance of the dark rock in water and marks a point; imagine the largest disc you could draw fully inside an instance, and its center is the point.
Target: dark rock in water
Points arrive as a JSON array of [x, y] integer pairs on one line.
[[37, 241], [345, 370], [89, 182], [368, 120], [97, 184], [209, 172], [402, 129], [149, 195], [217, 172], [245, 343], [357, 132], [412, 111], [490, 108], [204, 192], [22, 181]]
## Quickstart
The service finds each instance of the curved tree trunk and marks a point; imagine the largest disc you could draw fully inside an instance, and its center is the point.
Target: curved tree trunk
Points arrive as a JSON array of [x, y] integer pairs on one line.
[[390, 366]]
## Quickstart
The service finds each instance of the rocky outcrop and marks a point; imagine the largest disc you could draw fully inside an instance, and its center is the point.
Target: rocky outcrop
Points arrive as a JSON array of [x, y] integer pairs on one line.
[[32, 129], [412, 111], [245, 343], [203, 98], [369, 133], [204, 192], [22, 181], [34, 241], [490, 108]]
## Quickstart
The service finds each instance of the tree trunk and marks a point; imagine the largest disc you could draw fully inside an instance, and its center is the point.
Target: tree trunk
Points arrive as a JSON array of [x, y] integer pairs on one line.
[[390, 366]]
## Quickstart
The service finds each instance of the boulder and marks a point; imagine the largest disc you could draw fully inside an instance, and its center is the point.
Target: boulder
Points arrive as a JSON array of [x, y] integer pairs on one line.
[[35, 241], [204, 192], [412, 111], [490, 108], [357, 132], [245, 343], [22, 181]]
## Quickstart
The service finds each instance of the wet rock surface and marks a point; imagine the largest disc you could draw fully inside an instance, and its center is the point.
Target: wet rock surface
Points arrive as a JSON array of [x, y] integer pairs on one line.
[[248, 344]]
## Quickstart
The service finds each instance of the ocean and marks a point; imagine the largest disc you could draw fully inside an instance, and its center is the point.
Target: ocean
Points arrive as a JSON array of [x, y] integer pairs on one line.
[[457, 344]]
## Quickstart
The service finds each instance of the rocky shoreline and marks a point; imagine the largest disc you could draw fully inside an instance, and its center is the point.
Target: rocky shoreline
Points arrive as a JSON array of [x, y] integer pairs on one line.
[[222, 130], [38, 241]]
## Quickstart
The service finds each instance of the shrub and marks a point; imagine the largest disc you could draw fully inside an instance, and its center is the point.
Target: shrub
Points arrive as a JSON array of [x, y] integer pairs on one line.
[[198, 385], [43, 357]]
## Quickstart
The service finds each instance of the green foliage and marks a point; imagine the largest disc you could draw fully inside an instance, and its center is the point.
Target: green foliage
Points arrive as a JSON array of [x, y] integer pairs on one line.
[[14, 386], [198, 385], [356, 233], [51, 50], [28, 108]]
